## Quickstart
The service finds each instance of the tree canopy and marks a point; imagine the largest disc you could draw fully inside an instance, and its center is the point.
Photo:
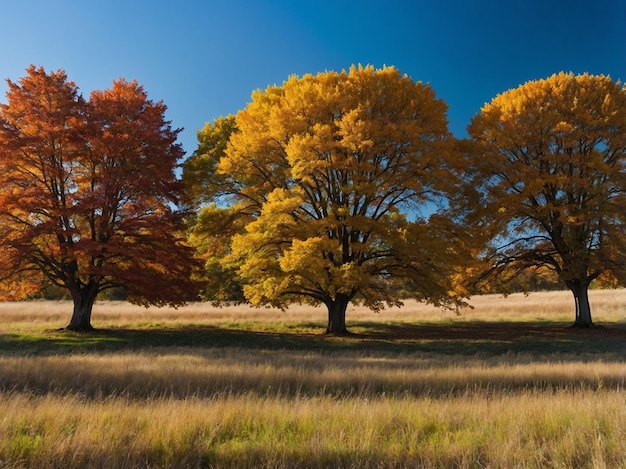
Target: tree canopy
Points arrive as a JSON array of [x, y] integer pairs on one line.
[[550, 161], [319, 189], [88, 193]]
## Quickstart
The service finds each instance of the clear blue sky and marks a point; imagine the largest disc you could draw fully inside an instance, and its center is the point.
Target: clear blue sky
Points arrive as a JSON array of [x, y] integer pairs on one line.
[[204, 58]]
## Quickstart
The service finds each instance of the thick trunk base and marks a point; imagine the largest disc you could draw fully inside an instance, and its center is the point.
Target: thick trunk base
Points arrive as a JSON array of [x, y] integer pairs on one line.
[[79, 328], [578, 325], [580, 290], [337, 317], [83, 305], [584, 325]]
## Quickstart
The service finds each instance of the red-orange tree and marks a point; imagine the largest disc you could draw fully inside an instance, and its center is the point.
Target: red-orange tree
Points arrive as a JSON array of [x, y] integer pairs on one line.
[[551, 164], [88, 193]]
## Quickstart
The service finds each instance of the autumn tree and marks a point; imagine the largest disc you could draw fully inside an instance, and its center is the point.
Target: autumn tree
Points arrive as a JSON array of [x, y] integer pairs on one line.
[[88, 193], [550, 162], [319, 189], [210, 232]]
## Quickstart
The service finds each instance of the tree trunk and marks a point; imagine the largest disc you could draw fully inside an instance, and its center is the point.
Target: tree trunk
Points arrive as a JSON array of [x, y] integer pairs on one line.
[[337, 315], [580, 290], [83, 304]]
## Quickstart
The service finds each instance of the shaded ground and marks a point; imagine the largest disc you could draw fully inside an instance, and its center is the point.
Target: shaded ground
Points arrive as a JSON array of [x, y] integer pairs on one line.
[[467, 338], [504, 337]]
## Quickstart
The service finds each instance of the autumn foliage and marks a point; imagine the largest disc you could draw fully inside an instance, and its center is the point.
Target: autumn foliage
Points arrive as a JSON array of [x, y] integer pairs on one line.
[[321, 183], [334, 188], [549, 160], [88, 193]]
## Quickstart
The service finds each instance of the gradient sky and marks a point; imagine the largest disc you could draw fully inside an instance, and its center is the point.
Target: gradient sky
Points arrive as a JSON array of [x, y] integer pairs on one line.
[[204, 58]]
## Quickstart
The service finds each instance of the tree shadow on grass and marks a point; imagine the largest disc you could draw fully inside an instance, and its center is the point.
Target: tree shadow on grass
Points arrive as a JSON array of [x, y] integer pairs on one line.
[[496, 338], [467, 338], [132, 339]]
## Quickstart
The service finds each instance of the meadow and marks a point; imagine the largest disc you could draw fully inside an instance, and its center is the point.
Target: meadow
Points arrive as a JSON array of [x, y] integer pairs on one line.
[[505, 384]]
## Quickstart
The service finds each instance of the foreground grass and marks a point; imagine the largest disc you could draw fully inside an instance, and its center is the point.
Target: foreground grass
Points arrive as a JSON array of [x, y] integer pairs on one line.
[[523, 430], [506, 384]]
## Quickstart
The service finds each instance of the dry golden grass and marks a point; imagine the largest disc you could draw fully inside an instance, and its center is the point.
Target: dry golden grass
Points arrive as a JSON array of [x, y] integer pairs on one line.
[[608, 306], [185, 373], [249, 397], [525, 430]]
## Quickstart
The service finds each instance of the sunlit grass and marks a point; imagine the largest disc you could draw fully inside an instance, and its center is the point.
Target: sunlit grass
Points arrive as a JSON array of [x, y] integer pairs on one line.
[[506, 384], [184, 373], [608, 306], [528, 429]]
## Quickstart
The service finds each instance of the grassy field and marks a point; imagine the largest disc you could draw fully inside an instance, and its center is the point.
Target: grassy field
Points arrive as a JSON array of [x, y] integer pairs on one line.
[[505, 384]]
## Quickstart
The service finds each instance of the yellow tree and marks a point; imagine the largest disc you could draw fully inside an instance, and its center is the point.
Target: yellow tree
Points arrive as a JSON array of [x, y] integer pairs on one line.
[[329, 173], [550, 162]]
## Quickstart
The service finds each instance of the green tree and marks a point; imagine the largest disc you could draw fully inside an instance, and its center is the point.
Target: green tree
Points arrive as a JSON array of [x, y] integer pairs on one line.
[[550, 162], [316, 186]]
